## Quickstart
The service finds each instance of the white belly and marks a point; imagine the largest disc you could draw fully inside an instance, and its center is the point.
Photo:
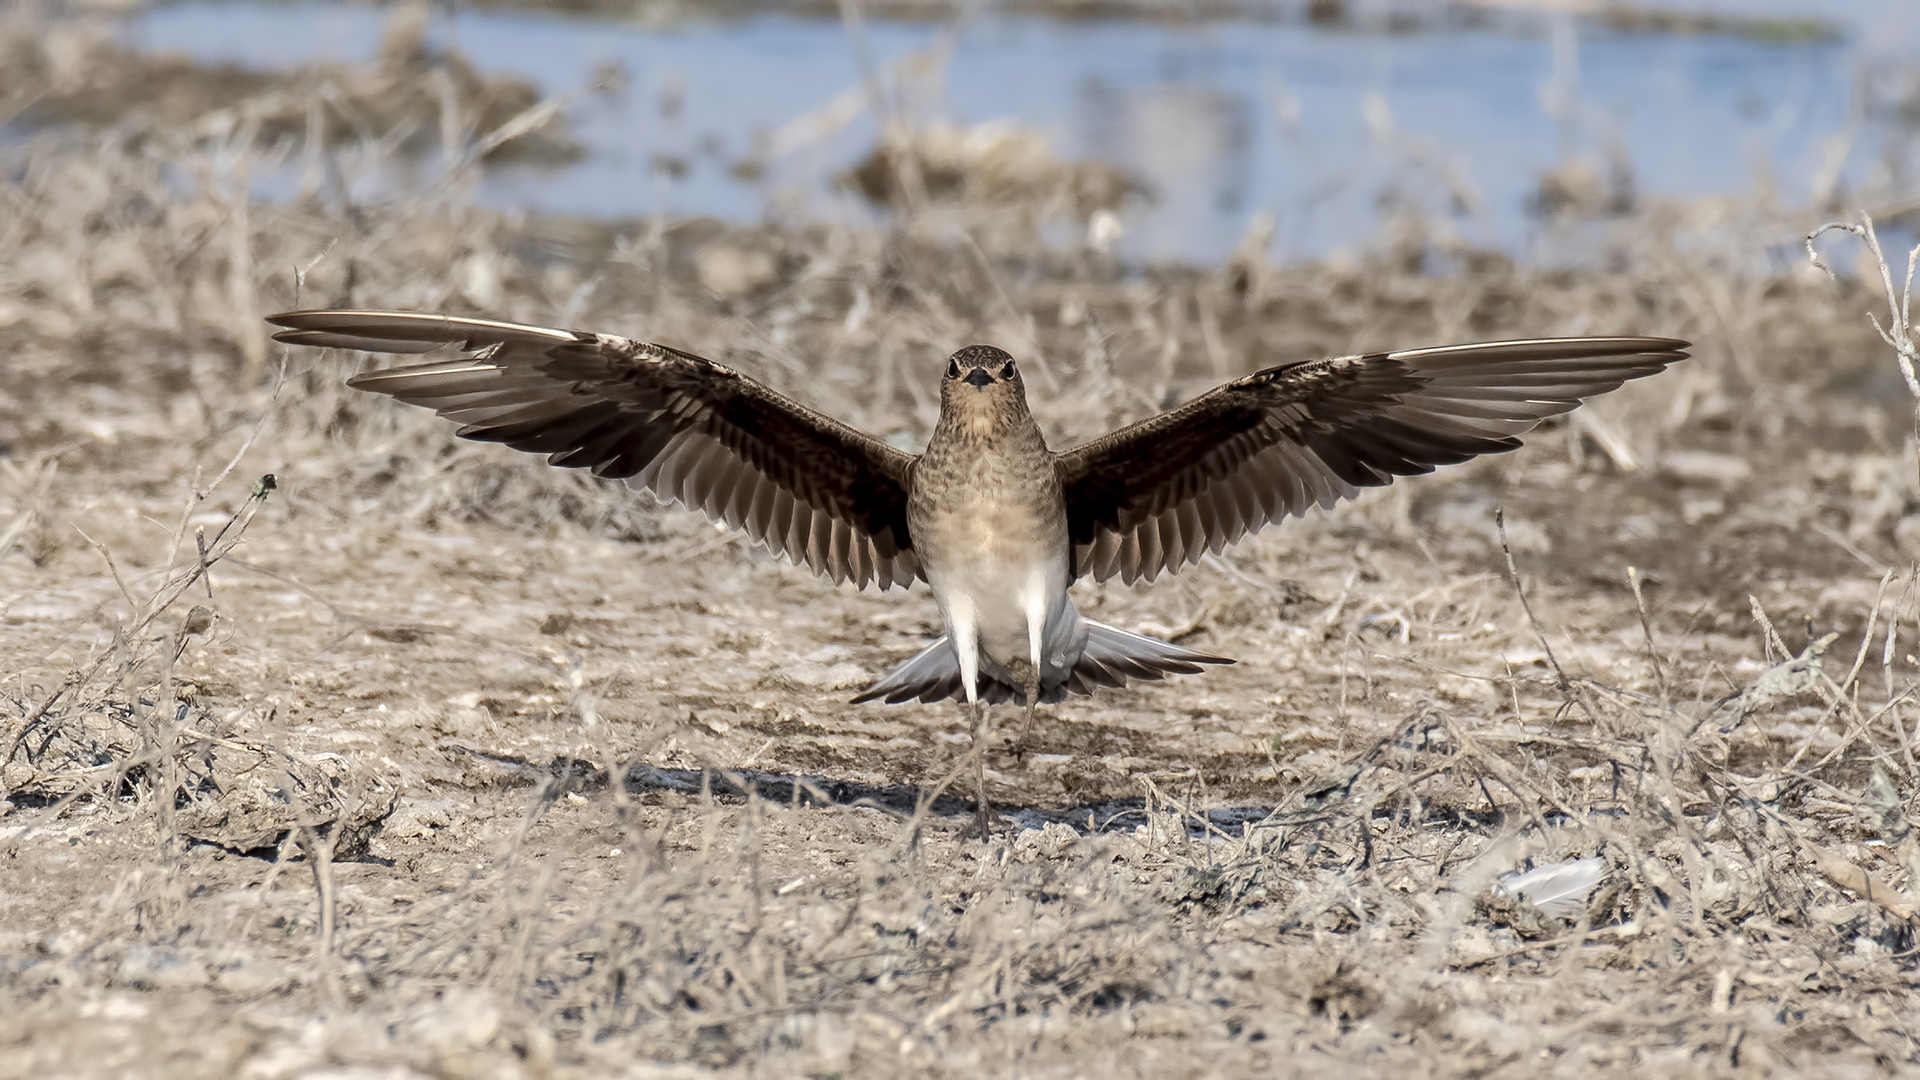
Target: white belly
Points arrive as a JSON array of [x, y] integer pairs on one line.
[[994, 547], [998, 604]]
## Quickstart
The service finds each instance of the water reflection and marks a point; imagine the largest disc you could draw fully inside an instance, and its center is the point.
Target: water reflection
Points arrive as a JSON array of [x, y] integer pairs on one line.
[[1222, 121], [1191, 144]]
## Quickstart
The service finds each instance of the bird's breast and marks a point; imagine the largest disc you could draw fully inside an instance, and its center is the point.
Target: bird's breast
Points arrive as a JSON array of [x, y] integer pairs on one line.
[[991, 525], [987, 508]]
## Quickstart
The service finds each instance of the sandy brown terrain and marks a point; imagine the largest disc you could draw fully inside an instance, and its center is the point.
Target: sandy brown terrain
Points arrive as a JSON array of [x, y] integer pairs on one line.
[[455, 764]]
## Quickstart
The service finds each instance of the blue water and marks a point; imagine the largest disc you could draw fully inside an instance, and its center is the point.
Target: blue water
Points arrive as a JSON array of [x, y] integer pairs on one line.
[[1221, 119]]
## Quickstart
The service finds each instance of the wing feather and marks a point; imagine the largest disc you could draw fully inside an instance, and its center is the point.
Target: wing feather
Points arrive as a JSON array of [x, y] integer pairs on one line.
[[1155, 496], [798, 482]]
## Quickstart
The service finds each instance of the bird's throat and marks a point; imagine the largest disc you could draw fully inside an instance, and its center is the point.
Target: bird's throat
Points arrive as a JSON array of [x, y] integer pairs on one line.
[[977, 416]]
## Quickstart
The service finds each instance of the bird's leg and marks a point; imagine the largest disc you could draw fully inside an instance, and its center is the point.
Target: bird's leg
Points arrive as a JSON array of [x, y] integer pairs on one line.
[[1033, 599], [966, 648], [1029, 676], [1033, 702], [983, 813]]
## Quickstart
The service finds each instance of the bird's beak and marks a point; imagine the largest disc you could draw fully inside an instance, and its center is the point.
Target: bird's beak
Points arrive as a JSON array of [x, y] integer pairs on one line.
[[979, 377]]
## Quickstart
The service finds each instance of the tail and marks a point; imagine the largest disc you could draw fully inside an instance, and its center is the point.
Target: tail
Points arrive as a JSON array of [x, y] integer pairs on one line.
[[932, 675], [1111, 657]]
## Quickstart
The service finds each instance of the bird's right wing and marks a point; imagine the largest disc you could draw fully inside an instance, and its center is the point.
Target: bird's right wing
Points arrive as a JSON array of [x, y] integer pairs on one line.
[[1156, 496], [687, 429]]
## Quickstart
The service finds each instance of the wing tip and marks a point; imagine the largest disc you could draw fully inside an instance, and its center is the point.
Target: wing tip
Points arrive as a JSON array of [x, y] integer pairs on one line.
[[1671, 350], [409, 331]]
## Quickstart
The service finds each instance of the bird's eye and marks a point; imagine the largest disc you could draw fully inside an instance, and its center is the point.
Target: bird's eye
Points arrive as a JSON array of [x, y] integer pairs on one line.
[[1007, 371], [953, 369]]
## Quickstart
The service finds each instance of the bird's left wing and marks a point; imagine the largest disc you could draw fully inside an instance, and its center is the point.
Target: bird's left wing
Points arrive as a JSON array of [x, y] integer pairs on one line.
[[804, 485], [1157, 495]]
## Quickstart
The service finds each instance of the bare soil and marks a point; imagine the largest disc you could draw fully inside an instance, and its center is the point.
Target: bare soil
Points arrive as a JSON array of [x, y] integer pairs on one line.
[[451, 763]]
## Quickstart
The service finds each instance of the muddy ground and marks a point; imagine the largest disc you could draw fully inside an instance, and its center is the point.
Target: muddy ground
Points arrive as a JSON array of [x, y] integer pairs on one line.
[[455, 764]]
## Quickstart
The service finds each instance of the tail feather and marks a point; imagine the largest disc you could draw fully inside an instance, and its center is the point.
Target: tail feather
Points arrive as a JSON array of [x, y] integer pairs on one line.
[[1111, 657], [933, 674], [1140, 656]]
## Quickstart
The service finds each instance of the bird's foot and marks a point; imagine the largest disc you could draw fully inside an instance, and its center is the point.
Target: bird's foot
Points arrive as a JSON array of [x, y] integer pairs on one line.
[[982, 827], [1023, 745]]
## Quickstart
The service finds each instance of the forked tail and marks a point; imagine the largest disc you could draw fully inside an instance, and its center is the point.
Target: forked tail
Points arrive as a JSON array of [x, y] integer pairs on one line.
[[1111, 657]]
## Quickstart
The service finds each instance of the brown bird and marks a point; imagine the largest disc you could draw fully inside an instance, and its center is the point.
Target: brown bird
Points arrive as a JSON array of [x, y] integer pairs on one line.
[[997, 523]]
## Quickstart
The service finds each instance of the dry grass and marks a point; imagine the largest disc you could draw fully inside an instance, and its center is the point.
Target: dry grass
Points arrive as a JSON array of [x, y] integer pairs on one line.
[[454, 764], [410, 98]]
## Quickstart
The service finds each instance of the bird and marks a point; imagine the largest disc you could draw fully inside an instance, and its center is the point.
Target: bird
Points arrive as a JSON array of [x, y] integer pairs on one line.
[[995, 521]]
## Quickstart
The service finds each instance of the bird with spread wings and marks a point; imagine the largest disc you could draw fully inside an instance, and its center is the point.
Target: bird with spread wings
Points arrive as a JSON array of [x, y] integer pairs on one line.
[[995, 521]]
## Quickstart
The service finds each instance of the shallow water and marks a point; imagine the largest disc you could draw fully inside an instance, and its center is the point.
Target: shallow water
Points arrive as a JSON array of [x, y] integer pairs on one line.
[[1223, 119]]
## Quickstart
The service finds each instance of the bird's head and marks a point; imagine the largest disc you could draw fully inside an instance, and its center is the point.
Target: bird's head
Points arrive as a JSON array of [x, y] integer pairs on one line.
[[982, 387]]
